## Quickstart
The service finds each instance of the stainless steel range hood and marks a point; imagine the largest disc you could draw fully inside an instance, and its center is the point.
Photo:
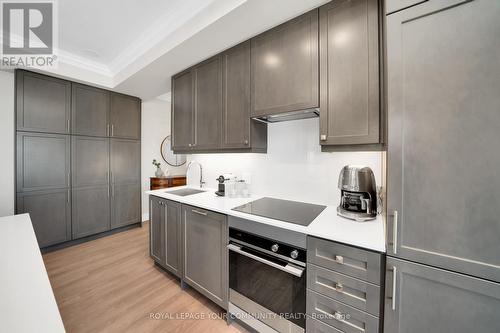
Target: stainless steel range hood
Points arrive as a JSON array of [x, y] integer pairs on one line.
[[294, 115]]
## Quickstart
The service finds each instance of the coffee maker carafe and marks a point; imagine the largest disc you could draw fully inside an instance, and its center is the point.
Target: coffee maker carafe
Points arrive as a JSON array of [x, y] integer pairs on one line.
[[358, 199]]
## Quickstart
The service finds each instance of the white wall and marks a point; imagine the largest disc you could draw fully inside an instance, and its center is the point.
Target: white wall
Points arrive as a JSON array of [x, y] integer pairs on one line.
[[293, 168], [155, 126], [7, 143]]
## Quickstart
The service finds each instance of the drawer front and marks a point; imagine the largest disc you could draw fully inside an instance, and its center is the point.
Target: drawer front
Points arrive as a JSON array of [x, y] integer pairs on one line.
[[341, 316], [316, 326], [361, 264], [178, 181], [359, 294]]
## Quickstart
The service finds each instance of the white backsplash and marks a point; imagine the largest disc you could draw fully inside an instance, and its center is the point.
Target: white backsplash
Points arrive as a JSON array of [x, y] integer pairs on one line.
[[293, 168]]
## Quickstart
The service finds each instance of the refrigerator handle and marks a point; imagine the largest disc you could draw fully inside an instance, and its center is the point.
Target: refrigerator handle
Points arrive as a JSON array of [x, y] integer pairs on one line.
[[395, 232], [394, 271]]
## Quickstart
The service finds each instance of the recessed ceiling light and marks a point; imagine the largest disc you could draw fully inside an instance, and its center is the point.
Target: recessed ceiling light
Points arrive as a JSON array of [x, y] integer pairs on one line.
[[90, 53]]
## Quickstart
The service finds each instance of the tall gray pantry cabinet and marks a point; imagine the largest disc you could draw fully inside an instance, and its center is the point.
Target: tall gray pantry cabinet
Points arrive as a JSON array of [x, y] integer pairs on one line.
[[78, 158], [443, 269]]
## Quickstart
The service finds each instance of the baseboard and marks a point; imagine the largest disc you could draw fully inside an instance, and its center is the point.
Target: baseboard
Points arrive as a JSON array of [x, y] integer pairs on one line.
[[145, 217]]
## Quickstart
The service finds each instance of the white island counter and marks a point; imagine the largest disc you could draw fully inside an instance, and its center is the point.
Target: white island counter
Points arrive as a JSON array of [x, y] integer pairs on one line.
[[27, 303]]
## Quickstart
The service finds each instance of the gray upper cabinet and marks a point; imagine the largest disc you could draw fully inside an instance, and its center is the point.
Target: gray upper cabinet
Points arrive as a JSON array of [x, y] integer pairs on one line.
[[89, 161], [182, 111], [208, 104], [425, 299], [90, 110], [238, 130], [125, 116], [204, 239], [125, 204], [50, 213], [285, 67], [125, 161], [43, 161], [349, 72], [443, 98], [43, 104]]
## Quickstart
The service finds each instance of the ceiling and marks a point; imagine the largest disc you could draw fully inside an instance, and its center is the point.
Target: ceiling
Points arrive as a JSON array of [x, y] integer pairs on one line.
[[135, 46]]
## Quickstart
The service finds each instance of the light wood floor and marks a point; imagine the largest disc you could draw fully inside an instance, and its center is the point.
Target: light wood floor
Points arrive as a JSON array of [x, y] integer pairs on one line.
[[111, 285]]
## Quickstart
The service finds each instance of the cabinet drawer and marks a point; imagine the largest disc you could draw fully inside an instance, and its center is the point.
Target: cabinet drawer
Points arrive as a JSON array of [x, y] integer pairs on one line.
[[341, 316], [359, 294], [362, 264], [316, 326], [178, 181]]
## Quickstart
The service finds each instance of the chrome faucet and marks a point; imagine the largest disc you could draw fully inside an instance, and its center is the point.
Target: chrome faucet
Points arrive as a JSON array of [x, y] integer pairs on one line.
[[201, 171]]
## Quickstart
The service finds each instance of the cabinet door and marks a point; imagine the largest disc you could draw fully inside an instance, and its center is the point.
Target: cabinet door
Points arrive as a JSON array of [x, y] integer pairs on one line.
[[50, 213], [156, 229], [425, 299], [89, 110], [125, 116], [443, 156], [89, 161], [349, 72], [172, 222], [208, 104], [285, 67], [182, 111], [125, 161], [43, 103], [236, 97], [205, 255], [43, 161], [90, 210], [125, 204]]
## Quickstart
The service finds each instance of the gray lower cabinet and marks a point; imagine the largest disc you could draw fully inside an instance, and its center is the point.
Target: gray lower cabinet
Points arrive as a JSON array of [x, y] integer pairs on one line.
[[165, 234], [43, 161], [89, 110], [426, 299], [125, 204], [50, 213], [43, 103], [205, 260], [443, 100], [125, 161], [285, 67], [125, 116], [349, 72], [90, 210]]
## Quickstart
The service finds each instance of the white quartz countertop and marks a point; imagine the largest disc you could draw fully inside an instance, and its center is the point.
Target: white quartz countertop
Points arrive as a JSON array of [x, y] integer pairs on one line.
[[27, 303], [328, 225]]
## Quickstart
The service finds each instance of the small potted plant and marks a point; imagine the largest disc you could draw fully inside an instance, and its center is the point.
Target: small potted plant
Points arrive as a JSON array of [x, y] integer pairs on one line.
[[159, 171]]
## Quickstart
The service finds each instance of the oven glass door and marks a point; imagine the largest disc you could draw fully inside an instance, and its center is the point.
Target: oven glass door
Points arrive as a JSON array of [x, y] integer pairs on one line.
[[258, 277]]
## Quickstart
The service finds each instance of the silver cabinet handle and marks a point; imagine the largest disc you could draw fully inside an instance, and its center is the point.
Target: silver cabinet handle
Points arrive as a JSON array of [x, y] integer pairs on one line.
[[68, 125], [338, 316], [394, 271], [323, 137], [296, 271], [198, 212], [395, 233], [112, 129], [339, 287], [339, 259], [245, 142]]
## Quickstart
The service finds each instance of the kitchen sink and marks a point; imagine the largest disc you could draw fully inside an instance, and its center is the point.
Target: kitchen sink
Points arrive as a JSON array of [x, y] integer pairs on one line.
[[185, 191]]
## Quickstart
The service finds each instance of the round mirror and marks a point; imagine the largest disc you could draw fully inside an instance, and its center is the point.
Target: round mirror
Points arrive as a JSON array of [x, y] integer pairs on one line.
[[168, 155]]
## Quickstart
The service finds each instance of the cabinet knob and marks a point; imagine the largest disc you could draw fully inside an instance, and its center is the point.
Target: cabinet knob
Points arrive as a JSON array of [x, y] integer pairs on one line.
[[323, 137], [190, 145], [339, 259], [246, 142]]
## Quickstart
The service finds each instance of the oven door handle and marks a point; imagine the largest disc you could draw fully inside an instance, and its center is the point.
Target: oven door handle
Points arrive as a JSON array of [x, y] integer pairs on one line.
[[296, 271]]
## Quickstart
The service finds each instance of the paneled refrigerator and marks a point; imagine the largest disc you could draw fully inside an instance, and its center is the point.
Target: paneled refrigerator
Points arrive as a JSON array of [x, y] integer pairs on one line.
[[443, 167]]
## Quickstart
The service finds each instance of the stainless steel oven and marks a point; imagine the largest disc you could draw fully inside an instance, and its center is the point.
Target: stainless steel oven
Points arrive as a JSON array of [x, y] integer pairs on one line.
[[267, 280]]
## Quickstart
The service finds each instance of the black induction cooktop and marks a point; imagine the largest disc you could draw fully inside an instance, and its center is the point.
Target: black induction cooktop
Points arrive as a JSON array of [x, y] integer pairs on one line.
[[284, 210]]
